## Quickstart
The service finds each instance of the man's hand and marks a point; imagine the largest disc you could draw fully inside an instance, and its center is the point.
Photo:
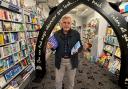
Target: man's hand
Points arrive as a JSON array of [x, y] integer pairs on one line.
[[49, 45], [74, 51]]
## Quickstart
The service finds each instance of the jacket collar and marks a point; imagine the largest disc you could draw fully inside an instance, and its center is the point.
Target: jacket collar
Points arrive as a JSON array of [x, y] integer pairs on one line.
[[69, 32]]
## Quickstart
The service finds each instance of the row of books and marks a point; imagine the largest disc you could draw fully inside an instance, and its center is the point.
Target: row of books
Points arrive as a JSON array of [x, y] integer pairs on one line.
[[110, 32], [32, 43], [8, 26], [12, 48], [111, 40], [14, 2], [111, 49], [11, 60], [12, 72], [32, 34], [33, 22], [10, 16], [109, 64], [110, 58], [11, 37], [9, 49], [33, 27], [31, 18], [19, 80]]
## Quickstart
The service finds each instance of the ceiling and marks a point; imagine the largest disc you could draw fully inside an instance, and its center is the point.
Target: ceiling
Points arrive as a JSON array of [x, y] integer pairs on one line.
[[81, 10]]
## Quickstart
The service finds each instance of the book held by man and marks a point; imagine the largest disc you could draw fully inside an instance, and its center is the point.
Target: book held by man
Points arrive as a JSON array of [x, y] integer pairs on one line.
[[75, 48]]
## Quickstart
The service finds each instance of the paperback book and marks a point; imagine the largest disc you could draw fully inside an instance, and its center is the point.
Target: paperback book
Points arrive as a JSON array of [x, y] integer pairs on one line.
[[1, 52], [118, 52], [7, 50], [2, 14], [7, 26], [1, 39], [21, 35], [14, 37], [1, 28], [7, 38]]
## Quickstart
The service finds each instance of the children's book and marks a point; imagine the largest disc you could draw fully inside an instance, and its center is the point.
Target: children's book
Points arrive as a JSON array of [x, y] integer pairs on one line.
[[118, 52]]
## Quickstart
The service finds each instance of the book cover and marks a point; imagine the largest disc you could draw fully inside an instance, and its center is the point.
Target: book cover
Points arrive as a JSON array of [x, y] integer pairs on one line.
[[7, 26], [8, 75], [118, 52], [22, 45], [1, 52], [7, 50], [2, 81], [7, 38], [7, 15], [24, 62], [21, 35], [1, 28], [10, 61], [20, 27], [53, 41], [1, 66], [15, 57], [14, 2], [1, 39], [14, 27], [75, 48], [2, 14], [19, 18], [14, 37]]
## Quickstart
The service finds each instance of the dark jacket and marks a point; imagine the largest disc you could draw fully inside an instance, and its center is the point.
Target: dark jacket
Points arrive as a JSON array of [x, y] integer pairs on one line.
[[73, 37]]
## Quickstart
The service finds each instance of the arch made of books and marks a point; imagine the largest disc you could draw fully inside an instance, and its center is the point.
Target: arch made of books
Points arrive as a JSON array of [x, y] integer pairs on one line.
[[114, 18]]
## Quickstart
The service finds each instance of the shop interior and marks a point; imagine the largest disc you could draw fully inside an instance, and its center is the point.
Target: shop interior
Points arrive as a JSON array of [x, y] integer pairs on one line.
[[20, 24]]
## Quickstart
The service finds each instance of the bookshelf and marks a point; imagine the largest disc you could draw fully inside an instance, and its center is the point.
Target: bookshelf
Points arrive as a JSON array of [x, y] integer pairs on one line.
[[18, 36], [110, 58]]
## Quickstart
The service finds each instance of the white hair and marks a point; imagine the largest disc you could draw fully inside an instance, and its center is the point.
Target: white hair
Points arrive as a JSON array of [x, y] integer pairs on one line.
[[66, 17]]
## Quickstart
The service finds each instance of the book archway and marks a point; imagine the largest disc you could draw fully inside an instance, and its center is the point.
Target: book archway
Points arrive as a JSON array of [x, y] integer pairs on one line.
[[114, 18]]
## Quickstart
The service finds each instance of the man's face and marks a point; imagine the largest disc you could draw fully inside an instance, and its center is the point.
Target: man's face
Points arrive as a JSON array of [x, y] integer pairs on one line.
[[66, 24]]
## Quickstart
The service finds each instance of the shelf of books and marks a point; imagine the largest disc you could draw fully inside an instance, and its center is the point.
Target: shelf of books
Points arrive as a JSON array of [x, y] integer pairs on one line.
[[110, 58], [16, 52]]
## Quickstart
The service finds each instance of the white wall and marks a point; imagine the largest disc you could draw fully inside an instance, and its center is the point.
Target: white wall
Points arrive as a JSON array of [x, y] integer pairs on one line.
[[101, 33], [77, 19]]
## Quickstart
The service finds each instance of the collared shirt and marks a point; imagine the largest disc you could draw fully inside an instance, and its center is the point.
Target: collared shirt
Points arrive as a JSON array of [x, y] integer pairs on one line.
[[66, 46]]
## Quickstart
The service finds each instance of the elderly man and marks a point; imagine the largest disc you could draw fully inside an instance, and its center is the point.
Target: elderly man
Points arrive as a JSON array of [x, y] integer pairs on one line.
[[66, 55]]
